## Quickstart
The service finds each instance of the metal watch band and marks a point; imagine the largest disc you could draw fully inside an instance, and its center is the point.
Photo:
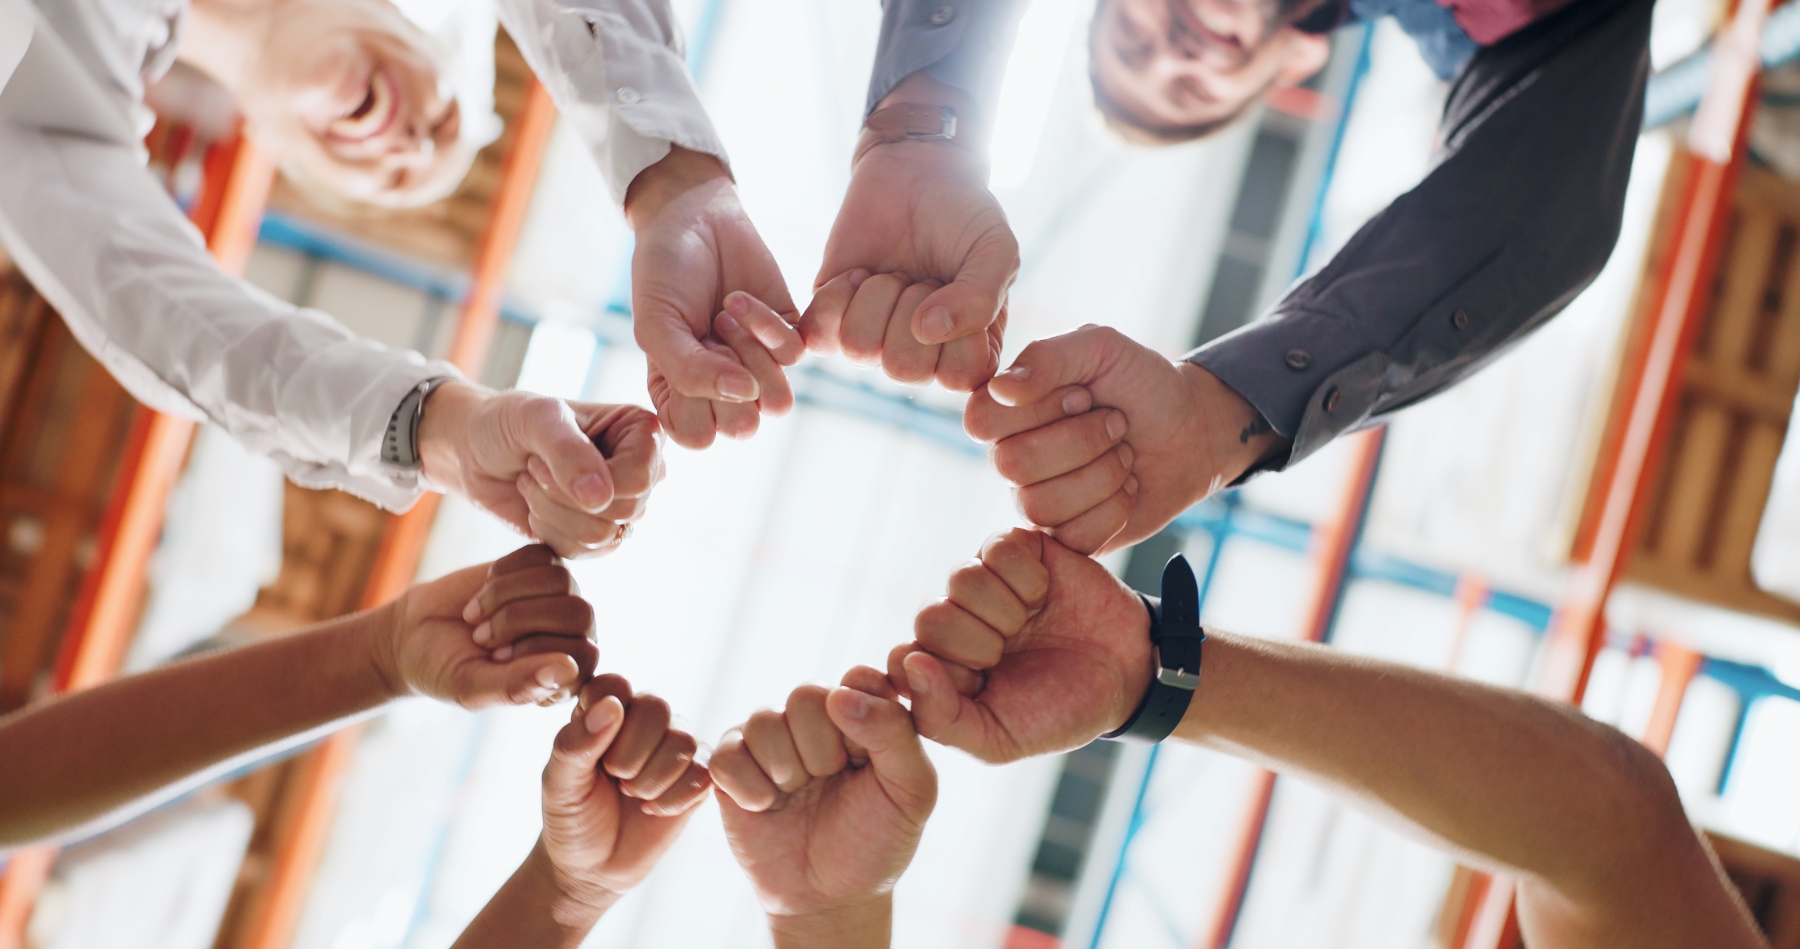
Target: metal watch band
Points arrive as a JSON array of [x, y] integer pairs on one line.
[[1175, 640], [909, 122], [400, 445]]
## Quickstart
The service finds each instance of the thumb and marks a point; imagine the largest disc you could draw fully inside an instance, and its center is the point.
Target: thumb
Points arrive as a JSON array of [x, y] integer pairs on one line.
[[575, 463], [967, 304], [1072, 358], [695, 371], [943, 714], [574, 758], [885, 732]]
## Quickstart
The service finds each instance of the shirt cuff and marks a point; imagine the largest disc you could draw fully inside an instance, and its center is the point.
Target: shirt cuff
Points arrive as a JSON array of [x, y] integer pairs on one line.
[[1312, 376], [632, 100], [961, 43]]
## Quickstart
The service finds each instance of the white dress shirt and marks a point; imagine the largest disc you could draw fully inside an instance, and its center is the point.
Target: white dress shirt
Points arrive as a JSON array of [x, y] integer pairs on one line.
[[96, 234]]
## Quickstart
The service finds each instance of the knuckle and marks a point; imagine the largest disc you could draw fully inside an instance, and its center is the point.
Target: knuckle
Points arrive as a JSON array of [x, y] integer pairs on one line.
[[650, 706]]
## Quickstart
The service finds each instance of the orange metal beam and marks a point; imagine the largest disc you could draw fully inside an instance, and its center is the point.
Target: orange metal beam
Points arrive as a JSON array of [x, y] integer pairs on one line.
[[104, 616], [1679, 666], [1333, 543], [1578, 627], [276, 913]]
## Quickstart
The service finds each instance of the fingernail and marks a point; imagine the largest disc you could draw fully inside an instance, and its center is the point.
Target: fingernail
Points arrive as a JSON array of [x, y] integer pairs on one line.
[[726, 323], [1077, 402], [937, 324], [503, 653], [603, 715], [547, 678], [1126, 456], [917, 680], [857, 706], [737, 387], [472, 612], [1131, 485], [484, 632], [738, 303], [1016, 374], [1115, 425], [590, 490]]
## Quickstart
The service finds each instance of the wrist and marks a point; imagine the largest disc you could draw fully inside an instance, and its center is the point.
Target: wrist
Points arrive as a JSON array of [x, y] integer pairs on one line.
[[859, 923], [571, 902], [381, 647], [675, 174], [970, 139], [443, 421], [1233, 435]]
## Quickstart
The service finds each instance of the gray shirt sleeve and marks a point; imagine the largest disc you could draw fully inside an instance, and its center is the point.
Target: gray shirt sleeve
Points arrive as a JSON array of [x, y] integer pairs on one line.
[[1517, 217], [961, 43]]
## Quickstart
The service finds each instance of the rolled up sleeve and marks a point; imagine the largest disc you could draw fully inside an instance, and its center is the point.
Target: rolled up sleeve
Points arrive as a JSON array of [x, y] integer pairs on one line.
[[961, 43], [617, 72], [98, 237], [1518, 216]]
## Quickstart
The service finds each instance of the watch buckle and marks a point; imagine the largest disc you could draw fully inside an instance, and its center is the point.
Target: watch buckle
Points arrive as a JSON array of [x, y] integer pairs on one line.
[[1174, 678]]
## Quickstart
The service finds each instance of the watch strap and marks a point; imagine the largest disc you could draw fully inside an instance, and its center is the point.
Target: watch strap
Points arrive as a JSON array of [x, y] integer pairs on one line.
[[400, 444], [1175, 646], [908, 122]]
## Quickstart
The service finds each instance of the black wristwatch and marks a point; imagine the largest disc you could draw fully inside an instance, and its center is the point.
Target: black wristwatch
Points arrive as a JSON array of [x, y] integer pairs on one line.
[[1175, 640]]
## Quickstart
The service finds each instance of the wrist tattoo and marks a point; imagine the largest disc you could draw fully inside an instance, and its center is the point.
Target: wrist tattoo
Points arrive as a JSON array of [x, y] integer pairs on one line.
[[1257, 426]]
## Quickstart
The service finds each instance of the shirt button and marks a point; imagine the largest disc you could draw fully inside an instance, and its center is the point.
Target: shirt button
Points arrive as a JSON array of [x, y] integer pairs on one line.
[[628, 96], [1331, 399], [943, 15], [1298, 359], [1460, 319]]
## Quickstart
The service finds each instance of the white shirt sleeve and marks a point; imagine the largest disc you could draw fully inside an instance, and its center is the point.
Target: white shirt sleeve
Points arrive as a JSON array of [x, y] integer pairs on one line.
[[100, 239], [617, 72]]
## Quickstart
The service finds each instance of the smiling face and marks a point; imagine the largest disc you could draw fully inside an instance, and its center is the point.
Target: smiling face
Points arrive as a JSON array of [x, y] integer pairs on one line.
[[347, 93], [1178, 69]]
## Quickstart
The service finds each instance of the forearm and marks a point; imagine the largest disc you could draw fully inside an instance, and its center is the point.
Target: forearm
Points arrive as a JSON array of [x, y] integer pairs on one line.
[[532, 910], [865, 925], [103, 753], [1510, 781]]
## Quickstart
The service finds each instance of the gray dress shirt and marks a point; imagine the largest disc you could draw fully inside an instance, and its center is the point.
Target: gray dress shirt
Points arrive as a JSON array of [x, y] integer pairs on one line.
[[1516, 218]]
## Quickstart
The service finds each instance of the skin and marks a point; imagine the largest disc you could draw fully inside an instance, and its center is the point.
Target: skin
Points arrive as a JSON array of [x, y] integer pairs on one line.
[[918, 214], [823, 803], [619, 788], [698, 258], [1170, 64], [574, 475], [103, 754], [1587, 819], [344, 92], [1106, 441]]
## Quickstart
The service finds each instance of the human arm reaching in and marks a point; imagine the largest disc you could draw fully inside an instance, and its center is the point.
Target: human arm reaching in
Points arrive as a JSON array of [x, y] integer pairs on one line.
[[104, 754], [1054, 651], [823, 804], [619, 788]]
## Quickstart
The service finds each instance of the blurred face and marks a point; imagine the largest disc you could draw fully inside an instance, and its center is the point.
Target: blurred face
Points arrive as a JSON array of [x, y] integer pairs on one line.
[[1177, 63], [347, 93]]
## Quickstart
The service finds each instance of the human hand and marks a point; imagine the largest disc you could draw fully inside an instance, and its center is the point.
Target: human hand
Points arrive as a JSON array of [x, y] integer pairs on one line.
[[505, 633], [1107, 441], [918, 217], [620, 785], [574, 475], [697, 255], [1036, 649], [823, 804]]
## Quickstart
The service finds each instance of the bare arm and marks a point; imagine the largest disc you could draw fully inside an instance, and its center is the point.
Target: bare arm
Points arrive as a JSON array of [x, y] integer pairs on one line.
[[102, 755], [1587, 817]]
